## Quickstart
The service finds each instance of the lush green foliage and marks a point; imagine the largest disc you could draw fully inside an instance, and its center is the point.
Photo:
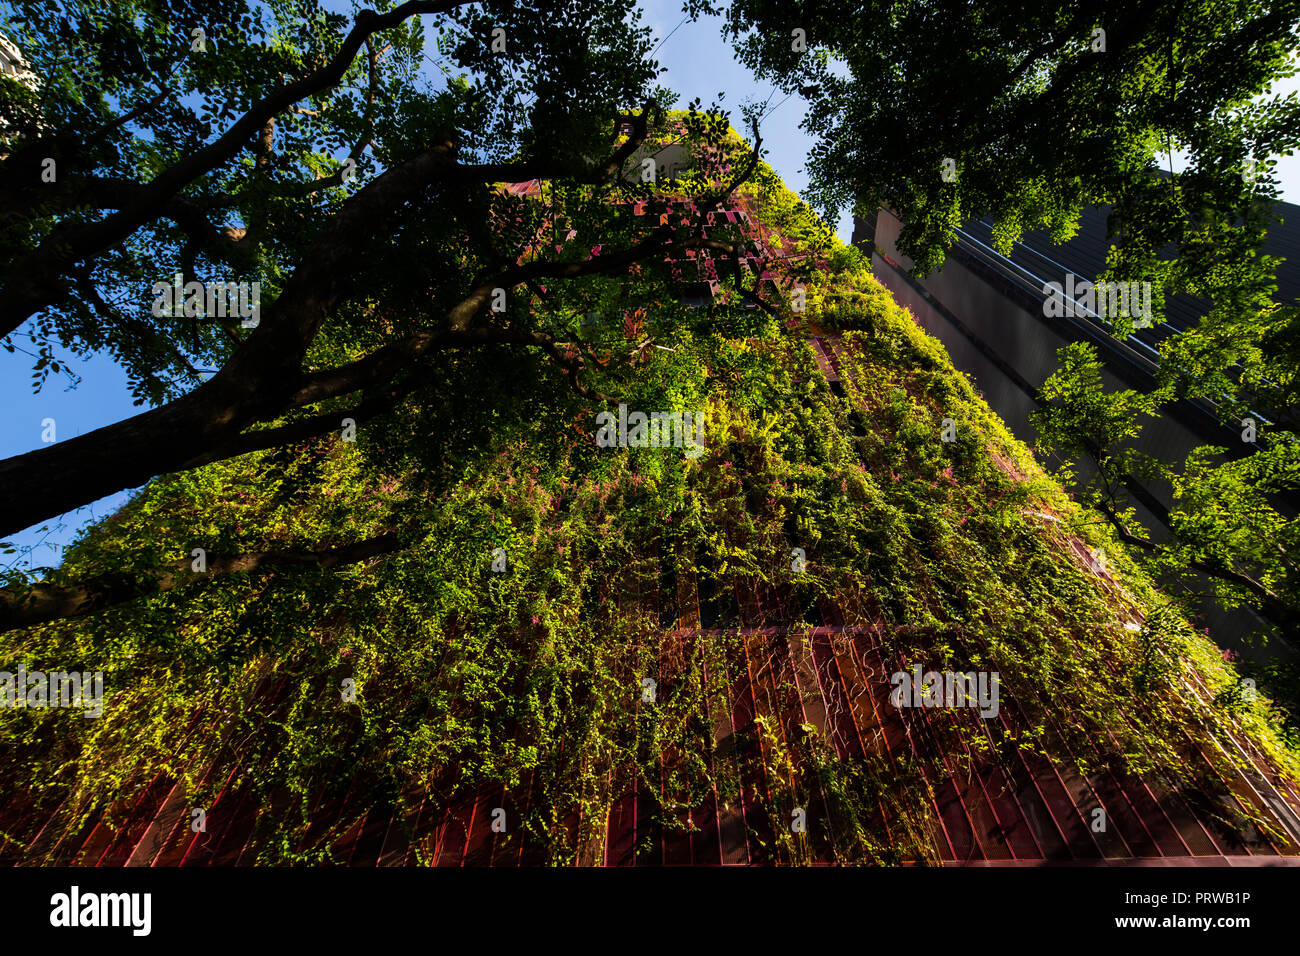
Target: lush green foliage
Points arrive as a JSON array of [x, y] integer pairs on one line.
[[955, 552], [125, 96], [1036, 113], [530, 679]]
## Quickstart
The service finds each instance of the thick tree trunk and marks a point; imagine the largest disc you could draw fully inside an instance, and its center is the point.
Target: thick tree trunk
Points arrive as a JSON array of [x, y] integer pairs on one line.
[[50, 481], [255, 384], [262, 379]]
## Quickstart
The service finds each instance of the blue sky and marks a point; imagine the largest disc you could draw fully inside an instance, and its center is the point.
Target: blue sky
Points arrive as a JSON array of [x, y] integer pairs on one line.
[[699, 63]]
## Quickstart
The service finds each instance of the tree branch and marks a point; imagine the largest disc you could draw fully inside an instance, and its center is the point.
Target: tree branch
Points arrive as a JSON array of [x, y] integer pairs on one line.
[[30, 605], [32, 282], [1274, 606], [263, 378]]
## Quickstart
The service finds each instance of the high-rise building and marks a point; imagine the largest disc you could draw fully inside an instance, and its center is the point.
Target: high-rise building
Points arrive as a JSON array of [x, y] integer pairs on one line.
[[816, 604]]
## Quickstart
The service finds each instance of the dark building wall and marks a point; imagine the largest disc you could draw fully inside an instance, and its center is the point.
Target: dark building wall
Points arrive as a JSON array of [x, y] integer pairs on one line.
[[988, 313]]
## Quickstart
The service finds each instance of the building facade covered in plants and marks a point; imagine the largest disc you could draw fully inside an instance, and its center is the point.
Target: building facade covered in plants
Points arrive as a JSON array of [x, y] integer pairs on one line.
[[854, 623]]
